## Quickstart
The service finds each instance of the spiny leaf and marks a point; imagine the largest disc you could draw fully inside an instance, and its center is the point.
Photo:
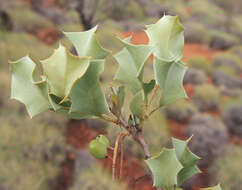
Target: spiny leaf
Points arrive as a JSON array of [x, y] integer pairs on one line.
[[23, 87], [137, 105], [131, 61], [127, 70], [87, 44], [187, 159], [169, 76], [63, 70], [217, 187], [167, 37], [87, 97], [183, 153], [165, 168], [139, 54], [186, 173]]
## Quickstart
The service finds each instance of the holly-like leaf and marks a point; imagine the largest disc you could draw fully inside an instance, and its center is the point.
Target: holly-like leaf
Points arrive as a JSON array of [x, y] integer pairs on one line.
[[139, 54], [86, 44], [165, 168], [24, 89], [187, 159], [217, 187], [186, 173], [127, 70], [63, 70], [169, 76], [88, 100], [131, 61], [137, 105], [167, 37]]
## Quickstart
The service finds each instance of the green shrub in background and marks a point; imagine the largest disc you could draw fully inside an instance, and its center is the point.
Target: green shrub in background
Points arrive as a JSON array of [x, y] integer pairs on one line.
[[196, 33], [181, 10], [180, 110], [211, 138], [168, 6], [96, 178], [156, 125], [206, 12], [27, 20], [237, 51], [226, 60], [134, 11], [15, 45], [222, 40], [226, 69], [236, 26], [199, 62], [232, 116], [228, 168], [206, 97], [194, 76], [67, 27], [31, 152], [225, 81]]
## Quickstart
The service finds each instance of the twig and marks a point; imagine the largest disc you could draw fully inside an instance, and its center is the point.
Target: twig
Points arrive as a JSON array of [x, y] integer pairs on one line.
[[138, 137], [122, 157], [135, 132], [115, 153]]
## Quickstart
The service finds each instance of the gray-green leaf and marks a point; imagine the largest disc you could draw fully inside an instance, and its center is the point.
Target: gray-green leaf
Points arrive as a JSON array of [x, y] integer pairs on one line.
[[187, 159], [165, 168], [23, 87], [169, 76], [167, 37], [63, 70], [86, 44], [131, 61], [87, 97], [137, 105]]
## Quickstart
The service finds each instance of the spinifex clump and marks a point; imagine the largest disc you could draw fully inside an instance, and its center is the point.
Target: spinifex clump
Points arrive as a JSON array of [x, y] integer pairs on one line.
[[70, 85]]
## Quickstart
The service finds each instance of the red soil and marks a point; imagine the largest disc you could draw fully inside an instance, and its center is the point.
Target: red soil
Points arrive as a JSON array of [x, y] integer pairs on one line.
[[47, 35], [189, 90], [235, 140], [177, 129], [79, 135]]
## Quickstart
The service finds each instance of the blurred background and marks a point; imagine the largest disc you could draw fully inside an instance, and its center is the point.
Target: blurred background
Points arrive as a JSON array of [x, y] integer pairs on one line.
[[50, 152]]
